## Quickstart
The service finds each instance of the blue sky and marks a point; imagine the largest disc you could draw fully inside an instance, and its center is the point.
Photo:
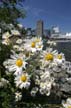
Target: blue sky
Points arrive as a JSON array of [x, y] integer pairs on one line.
[[52, 12]]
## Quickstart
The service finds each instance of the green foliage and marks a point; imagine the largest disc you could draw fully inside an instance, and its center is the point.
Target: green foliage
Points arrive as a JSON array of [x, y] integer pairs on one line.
[[4, 54], [11, 1], [6, 98], [7, 92], [37, 105], [10, 10], [10, 15]]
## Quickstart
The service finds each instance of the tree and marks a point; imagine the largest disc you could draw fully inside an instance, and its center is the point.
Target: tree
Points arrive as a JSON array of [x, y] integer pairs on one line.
[[11, 10]]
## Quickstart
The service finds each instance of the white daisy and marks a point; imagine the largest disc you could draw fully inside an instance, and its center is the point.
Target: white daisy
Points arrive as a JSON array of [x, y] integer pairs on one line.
[[67, 104], [16, 62], [34, 91], [28, 54], [5, 38], [39, 46], [6, 35], [18, 96], [15, 32], [45, 83], [35, 44], [6, 41], [22, 81], [45, 88], [47, 57], [60, 58], [45, 76], [19, 41], [16, 47], [3, 82]]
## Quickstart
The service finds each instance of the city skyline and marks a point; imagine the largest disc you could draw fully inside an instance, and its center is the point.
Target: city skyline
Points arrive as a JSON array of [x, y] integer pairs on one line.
[[52, 12]]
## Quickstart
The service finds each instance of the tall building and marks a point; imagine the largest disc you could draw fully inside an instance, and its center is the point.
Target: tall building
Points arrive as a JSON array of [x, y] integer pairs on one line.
[[39, 28]]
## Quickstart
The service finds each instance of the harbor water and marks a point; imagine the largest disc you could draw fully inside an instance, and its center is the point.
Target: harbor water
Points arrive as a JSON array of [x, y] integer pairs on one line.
[[64, 47]]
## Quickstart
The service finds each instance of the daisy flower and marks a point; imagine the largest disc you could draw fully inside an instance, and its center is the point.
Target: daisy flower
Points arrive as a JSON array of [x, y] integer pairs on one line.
[[15, 32], [22, 81], [58, 63], [47, 57], [45, 88], [16, 62], [19, 41], [3, 82], [18, 96], [44, 82], [33, 45], [34, 91], [5, 38], [18, 48], [67, 104], [6, 35], [60, 58], [6, 41]]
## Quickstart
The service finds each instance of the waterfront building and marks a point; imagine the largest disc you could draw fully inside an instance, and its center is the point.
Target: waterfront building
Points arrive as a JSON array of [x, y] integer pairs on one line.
[[52, 33], [39, 28], [55, 30]]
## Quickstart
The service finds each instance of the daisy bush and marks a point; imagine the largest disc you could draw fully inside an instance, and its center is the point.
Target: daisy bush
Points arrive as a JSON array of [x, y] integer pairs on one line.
[[29, 69]]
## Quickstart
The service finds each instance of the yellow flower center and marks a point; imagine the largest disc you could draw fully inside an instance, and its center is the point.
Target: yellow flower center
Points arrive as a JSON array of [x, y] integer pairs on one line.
[[33, 44], [69, 106], [39, 46], [27, 54], [37, 40], [49, 56], [23, 78], [59, 56], [19, 62]]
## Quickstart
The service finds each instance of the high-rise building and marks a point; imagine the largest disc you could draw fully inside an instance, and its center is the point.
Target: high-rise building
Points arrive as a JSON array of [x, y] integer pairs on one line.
[[39, 28]]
